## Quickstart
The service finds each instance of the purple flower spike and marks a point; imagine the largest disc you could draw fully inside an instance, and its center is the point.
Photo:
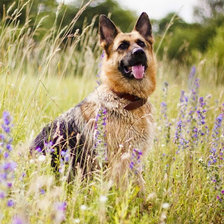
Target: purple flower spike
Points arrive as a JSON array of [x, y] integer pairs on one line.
[[63, 153], [48, 147], [6, 155], [6, 118], [9, 147], [135, 163], [67, 158], [7, 166], [10, 203], [42, 191], [192, 73], [38, 149], [9, 185], [2, 137], [17, 220], [216, 132], [132, 165], [61, 206], [6, 128], [2, 195], [10, 166], [219, 118]]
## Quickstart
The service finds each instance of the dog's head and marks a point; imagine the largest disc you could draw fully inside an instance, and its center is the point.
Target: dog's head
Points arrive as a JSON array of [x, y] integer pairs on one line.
[[129, 64]]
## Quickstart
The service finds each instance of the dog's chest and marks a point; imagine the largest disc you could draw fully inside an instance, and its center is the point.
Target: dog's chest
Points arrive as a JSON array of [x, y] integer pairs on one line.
[[120, 128], [129, 130]]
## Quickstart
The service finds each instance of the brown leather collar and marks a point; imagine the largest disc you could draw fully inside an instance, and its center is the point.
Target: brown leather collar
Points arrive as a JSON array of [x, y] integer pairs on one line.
[[136, 101]]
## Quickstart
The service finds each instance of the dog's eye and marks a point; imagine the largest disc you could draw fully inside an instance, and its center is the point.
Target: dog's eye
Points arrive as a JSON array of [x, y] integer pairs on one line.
[[140, 43], [124, 45]]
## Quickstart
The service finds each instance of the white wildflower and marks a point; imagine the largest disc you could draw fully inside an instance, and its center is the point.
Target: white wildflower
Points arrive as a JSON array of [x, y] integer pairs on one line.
[[103, 198], [165, 205], [76, 220], [41, 158], [163, 216], [83, 207], [31, 161], [151, 196]]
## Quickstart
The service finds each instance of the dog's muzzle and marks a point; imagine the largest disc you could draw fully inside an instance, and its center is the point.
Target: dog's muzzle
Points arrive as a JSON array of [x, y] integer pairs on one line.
[[134, 64]]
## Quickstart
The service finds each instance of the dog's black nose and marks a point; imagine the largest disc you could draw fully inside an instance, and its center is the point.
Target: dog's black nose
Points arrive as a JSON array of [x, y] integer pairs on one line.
[[138, 52]]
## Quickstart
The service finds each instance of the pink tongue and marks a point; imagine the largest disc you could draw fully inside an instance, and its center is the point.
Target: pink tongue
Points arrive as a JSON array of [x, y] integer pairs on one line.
[[138, 71]]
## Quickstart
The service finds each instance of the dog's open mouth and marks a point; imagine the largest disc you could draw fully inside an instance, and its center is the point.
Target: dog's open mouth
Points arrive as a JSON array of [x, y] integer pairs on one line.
[[137, 71], [134, 64]]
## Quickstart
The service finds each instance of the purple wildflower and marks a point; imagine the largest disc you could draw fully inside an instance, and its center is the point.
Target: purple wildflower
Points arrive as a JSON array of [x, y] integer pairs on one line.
[[164, 103], [179, 137], [194, 87], [216, 132], [61, 206], [9, 147], [192, 118], [38, 149], [64, 160], [2, 137], [164, 108], [17, 220], [67, 157], [135, 163], [9, 185], [63, 153], [2, 195], [201, 112], [6, 118], [132, 164], [191, 128], [183, 104], [6, 128], [192, 73], [60, 209], [6, 155], [42, 191], [10, 203], [7, 166], [48, 147]]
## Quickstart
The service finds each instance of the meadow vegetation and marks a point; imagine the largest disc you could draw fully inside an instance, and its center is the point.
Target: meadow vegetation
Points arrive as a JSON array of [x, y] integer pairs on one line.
[[41, 79]]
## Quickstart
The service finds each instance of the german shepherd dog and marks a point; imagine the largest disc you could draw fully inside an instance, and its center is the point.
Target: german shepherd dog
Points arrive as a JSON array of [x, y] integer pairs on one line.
[[128, 79]]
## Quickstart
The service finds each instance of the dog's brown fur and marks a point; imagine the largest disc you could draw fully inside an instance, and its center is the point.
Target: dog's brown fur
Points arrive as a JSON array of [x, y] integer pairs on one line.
[[126, 129]]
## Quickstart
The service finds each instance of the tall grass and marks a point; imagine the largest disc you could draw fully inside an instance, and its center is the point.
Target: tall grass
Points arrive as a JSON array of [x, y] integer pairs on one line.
[[40, 80]]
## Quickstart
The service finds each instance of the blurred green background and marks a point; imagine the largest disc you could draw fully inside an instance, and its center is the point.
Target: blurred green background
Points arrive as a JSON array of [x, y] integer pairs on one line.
[[177, 41]]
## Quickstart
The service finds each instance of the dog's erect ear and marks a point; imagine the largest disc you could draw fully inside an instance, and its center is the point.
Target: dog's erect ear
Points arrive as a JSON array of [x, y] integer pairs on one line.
[[108, 31], [143, 26]]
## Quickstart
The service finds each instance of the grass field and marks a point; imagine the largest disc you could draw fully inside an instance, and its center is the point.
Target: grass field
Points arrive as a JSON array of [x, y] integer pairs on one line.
[[184, 170]]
